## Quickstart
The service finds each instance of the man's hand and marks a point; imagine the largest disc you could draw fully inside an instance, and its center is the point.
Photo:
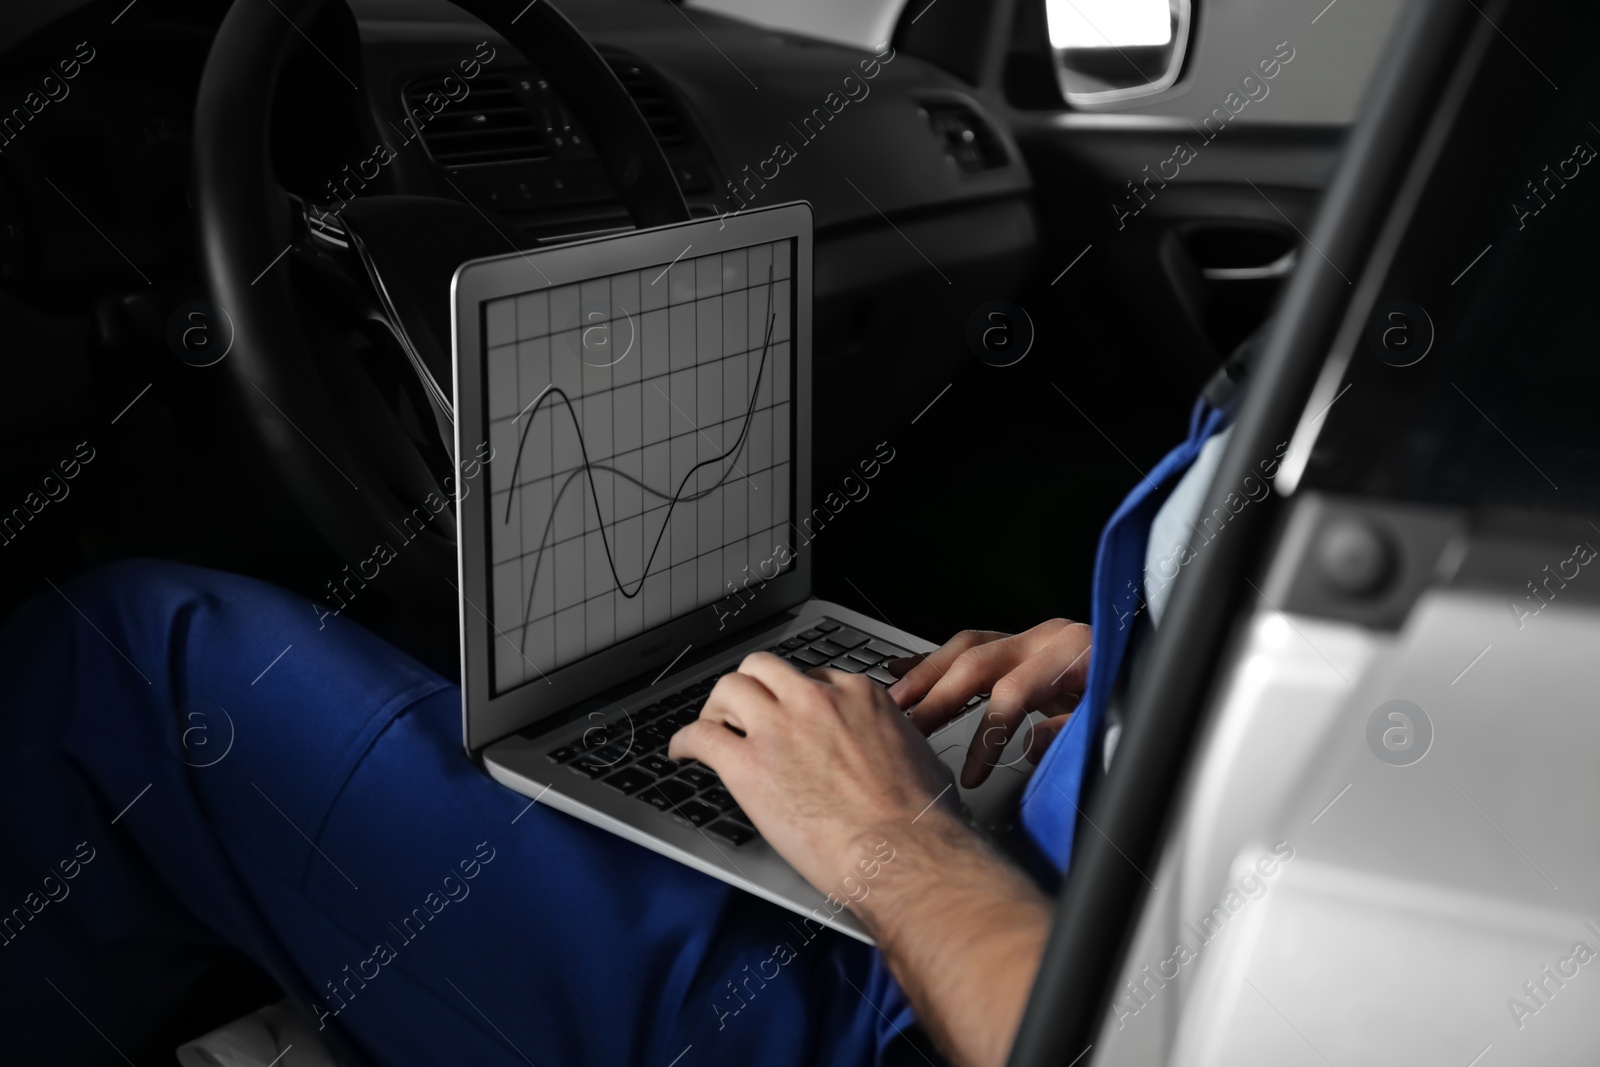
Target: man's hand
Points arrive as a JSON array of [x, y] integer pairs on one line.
[[824, 764], [1042, 669], [832, 774]]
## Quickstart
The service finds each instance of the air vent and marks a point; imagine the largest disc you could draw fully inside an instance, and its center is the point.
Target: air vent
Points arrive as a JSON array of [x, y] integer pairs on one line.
[[491, 125], [652, 99], [968, 139]]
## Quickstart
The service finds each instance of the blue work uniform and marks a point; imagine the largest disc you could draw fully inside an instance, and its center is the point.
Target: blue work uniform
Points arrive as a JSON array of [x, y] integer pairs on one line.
[[196, 764]]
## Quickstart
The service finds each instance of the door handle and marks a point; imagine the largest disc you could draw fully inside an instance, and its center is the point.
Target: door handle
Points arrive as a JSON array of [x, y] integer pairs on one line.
[[1278, 268]]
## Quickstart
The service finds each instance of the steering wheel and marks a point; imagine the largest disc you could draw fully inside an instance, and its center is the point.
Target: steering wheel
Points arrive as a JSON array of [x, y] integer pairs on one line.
[[365, 446]]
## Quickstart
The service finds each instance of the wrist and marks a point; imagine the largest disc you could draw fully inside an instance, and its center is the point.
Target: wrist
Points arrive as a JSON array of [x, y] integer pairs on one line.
[[926, 866], [962, 930]]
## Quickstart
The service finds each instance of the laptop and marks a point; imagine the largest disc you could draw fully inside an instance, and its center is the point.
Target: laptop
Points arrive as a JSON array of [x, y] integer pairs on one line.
[[641, 404]]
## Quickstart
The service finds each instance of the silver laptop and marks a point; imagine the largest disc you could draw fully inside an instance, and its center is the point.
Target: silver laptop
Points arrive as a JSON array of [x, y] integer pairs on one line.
[[641, 405]]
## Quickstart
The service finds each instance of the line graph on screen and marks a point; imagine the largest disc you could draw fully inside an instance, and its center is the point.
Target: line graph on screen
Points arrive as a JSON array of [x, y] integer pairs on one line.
[[590, 596]]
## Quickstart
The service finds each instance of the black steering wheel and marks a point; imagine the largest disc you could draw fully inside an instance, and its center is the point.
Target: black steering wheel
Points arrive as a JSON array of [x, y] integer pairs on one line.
[[365, 446]]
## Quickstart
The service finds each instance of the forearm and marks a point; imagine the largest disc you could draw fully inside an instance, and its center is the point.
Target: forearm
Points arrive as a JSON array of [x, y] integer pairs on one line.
[[963, 932]]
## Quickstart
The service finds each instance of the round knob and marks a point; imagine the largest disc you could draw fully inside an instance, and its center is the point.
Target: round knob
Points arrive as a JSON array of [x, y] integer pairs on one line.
[[1354, 557]]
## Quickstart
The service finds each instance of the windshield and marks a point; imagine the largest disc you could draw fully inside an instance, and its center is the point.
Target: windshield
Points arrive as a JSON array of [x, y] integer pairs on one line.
[[864, 23]]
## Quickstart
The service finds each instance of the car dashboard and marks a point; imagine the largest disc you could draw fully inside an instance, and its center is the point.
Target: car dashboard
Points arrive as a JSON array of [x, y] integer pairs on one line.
[[917, 193], [746, 116]]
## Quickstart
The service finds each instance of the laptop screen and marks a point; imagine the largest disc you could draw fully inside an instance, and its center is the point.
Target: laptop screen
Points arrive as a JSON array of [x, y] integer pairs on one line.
[[643, 438]]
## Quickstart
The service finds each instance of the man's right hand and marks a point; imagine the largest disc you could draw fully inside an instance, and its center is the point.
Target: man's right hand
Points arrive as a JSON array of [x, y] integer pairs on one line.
[[1042, 669]]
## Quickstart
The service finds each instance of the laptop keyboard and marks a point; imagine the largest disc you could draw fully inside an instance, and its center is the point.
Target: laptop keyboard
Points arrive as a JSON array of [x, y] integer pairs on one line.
[[634, 762]]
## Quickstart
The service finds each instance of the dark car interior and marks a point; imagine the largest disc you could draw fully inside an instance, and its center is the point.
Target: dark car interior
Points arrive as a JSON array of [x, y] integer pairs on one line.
[[959, 179], [295, 193]]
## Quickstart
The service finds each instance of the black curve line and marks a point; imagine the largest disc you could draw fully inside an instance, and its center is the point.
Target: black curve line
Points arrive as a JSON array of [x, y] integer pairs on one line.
[[588, 469]]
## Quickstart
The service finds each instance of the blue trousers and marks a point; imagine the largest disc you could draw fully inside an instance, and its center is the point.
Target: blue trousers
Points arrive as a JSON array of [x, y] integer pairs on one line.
[[192, 758]]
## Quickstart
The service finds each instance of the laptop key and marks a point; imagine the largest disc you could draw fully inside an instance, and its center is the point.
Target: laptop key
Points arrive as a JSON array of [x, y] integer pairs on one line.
[[681, 718], [673, 700], [697, 813], [649, 714], [698, 776], [794, 643], [718, 798], [848, 663], [885, 650], [667, 794], [732, 832], [658, 765], [847, 637], [654, 736], [593, 767], [827, 626], [871, 659], [827, 648], [810, 658], [810, 635], [881, 674], [629, 780], [564, 753]]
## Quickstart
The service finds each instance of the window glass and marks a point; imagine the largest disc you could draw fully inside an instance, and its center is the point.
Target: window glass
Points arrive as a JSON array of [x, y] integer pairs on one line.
[[1478, 380], [863, 23]]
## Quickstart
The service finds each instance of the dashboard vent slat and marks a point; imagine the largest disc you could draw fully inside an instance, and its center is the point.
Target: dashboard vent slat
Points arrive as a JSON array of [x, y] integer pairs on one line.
[[652, 99], [491, 125]]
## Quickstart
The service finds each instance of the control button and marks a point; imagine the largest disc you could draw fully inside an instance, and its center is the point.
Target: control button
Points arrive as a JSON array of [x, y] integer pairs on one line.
[[1354, 557]]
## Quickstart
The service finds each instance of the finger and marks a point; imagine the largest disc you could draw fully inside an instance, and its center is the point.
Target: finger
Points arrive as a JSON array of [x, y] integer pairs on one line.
[[913, 686], [1044, 734], [855, 696], [775, 673], [830, 675], [708, 741], [739, 701], [978, 670], [1045, 678], [899, 665]]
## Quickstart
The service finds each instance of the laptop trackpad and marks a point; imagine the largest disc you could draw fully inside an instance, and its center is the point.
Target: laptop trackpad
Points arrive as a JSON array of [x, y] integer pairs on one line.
[[992, 805]]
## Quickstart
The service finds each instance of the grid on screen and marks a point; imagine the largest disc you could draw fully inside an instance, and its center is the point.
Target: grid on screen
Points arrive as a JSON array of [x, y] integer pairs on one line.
[[666, 379]]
